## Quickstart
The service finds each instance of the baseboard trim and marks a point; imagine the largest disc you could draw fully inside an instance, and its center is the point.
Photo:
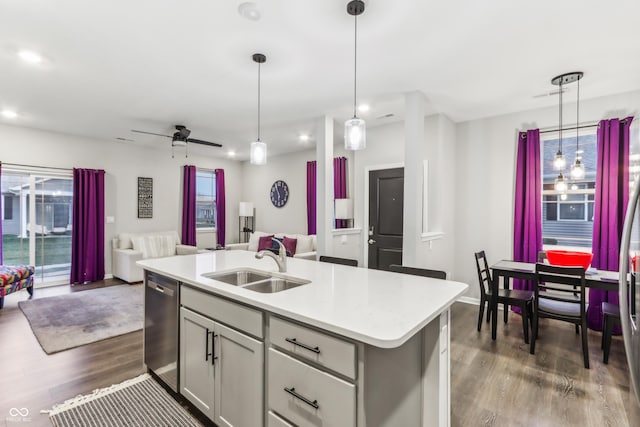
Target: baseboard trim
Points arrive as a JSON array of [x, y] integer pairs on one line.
[[475, 301], [469, 300], [108, 276]]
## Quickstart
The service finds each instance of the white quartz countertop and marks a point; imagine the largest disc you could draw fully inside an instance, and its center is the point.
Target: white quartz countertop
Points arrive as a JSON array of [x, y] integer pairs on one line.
[[379, 308]]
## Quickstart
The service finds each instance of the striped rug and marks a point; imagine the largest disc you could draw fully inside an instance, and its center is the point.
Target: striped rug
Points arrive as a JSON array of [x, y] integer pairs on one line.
[[140, 401]]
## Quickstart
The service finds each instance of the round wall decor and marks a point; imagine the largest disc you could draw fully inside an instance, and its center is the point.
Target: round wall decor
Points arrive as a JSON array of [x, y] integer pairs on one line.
[[279, 193]]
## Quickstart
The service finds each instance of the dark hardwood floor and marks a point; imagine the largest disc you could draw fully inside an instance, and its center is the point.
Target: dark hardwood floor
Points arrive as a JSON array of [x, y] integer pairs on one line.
[[492, 383], [498, 383]]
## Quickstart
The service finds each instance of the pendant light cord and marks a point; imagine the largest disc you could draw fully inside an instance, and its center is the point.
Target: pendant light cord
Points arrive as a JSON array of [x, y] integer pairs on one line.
[[355, 64], [577, 117], [258, 101], [560, 117]]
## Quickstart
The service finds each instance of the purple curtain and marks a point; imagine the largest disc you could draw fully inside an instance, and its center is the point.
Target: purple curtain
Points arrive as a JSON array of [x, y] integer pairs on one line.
[[527, 218], [220, 206], [311, 197], [1, 216], [612, 196], [87, 236], [340, 184], [189, 206]]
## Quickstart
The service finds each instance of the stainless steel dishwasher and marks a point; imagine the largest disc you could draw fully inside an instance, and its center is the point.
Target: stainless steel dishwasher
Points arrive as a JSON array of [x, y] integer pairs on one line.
[[161, 327]]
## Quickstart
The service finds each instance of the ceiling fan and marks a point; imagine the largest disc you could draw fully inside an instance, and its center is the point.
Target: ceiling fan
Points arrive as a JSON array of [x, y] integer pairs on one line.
[[181, 137]]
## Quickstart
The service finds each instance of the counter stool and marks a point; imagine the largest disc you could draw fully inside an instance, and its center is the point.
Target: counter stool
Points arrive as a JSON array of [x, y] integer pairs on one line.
[[14, 278], [611, 315]]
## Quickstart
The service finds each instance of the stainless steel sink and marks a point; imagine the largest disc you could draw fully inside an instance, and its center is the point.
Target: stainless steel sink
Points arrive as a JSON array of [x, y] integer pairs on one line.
[[256, 280], [238, 277], [275, 284]]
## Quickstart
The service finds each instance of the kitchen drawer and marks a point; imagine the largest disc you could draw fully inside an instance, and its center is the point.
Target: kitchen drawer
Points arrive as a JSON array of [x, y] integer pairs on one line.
[[314, 398], [239, 316], [334, 353], [275, 421]]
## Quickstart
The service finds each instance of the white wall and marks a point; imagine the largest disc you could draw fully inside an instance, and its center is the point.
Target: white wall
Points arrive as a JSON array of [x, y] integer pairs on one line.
[[485, 177], [123, 163], [292, 169]]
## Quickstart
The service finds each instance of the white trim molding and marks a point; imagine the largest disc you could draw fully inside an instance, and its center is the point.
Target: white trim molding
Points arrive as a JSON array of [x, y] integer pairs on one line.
[[342, 231], [432, 235]]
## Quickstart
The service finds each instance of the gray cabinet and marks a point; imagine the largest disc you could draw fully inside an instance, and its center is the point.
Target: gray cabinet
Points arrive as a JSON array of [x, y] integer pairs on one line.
[[221, 368], [196, 360], [238, 379]]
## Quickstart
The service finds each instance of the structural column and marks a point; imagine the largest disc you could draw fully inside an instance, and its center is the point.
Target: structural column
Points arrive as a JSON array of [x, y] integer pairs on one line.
[[414, 154], [324, 184]]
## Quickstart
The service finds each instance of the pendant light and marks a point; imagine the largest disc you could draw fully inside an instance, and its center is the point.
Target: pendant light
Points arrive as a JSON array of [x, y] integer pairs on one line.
[[355, 132], [258, 153], [577, 169], [559, 162]]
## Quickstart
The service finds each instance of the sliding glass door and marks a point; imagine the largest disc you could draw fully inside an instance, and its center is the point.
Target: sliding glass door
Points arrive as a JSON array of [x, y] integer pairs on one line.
[[36, 223]]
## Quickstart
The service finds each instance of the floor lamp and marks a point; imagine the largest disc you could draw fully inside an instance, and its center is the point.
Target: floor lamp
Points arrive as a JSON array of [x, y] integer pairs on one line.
[[245, 223]]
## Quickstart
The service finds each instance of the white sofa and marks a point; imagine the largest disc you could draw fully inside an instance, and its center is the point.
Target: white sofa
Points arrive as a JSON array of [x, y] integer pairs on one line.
[[306, 245], [127, 248]]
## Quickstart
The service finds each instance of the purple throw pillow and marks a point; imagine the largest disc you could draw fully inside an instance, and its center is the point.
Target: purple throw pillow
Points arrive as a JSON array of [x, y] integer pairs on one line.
[[264, 243], [290, 245]]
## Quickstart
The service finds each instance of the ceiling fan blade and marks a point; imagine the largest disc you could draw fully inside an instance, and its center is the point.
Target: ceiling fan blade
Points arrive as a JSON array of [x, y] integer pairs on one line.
[[150, 133], [199, 141]]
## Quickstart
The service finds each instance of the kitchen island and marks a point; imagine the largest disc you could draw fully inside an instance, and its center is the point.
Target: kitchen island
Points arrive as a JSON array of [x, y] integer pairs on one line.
[[352, 347]]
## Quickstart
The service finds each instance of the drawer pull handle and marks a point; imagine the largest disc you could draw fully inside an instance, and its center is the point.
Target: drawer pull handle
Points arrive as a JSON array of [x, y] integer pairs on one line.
[[292, 392], [306, 347]]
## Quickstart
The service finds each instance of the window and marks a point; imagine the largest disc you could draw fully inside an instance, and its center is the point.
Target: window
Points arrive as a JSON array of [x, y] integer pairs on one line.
[[7, 207], [205, 199], [567, 219]]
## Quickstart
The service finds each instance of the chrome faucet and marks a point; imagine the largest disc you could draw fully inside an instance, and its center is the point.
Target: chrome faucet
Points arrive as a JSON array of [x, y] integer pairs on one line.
[[280, 259]]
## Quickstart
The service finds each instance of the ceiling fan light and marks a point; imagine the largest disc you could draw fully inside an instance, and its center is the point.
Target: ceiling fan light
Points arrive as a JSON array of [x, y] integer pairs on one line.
[[258, 154], [355, 134]]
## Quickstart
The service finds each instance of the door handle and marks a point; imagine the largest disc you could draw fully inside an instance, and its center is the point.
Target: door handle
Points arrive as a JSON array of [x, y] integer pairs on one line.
[[371, 241]]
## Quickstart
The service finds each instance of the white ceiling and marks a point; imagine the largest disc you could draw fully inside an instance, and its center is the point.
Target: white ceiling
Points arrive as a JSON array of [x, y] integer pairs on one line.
[[112, 66]]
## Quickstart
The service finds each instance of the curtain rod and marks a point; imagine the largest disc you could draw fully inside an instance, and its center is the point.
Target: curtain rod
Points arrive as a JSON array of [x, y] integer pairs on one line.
[[37, 167], [593, 125]]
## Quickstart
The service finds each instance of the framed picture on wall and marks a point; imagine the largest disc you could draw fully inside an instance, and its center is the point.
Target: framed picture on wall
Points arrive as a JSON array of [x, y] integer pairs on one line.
[[145, 197]]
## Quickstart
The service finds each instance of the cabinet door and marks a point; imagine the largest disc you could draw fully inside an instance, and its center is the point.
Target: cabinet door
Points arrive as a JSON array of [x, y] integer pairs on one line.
[[196, 360], [239, 373]]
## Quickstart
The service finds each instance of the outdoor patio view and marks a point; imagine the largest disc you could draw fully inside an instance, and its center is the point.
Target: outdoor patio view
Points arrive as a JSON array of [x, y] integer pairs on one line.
[[42, 239]]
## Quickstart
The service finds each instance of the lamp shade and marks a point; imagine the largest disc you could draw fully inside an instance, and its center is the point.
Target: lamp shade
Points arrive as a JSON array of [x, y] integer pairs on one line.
[[246, 209], [355, 134], [344, 208], [258, 153]]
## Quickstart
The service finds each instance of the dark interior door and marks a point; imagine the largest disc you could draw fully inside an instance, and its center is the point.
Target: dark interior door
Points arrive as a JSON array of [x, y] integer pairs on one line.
[[386, 199]]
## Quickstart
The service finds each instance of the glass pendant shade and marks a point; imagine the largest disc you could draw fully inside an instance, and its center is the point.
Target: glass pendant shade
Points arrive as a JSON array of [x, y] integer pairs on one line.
[[355, 134], [577, 170], [559, 163], [561, 184], [258, 153]]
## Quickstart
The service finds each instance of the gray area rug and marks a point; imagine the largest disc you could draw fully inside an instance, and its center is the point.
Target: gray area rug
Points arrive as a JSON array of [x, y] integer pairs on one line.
[[67, 321], [136, 402]]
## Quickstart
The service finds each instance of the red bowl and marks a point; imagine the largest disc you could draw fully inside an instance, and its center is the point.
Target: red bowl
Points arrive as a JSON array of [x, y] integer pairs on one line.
[[570, 258]]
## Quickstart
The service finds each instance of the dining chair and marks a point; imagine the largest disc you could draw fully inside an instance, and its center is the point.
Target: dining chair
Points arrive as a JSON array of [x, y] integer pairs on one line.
[[342, 261], [542, 256], [559, 294], [519, 298], [611, 316], [436, 274]]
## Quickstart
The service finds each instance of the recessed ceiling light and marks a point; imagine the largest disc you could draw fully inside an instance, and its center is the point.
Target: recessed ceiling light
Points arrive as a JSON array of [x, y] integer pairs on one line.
[[249, 10], [363, 108], [9, 114], [231, 153], [30, 56], [304, 137]]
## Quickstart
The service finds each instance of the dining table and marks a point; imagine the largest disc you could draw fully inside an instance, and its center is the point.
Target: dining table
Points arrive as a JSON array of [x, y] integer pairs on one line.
[[597, 279]]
